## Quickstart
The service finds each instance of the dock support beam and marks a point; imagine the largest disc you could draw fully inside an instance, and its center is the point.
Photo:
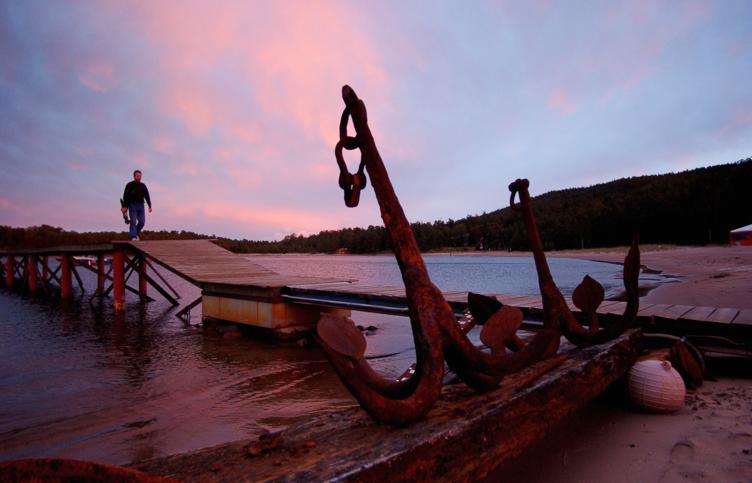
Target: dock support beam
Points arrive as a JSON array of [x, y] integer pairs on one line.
[[142, 279], [66, 284], [9, 271], [100, 274], [118, 279], [31, 273], [45, 271]]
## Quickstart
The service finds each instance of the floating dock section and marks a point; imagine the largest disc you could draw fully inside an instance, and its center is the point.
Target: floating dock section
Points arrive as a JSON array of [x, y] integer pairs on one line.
[[233, 288]]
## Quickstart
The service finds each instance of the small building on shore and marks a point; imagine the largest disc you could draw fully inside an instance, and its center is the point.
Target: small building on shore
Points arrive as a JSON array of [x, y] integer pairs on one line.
[[741, 236]]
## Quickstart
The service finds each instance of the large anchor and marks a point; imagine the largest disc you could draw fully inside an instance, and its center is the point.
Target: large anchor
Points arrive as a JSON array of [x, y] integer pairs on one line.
[[411, 397], [436, 333], [587, 296]]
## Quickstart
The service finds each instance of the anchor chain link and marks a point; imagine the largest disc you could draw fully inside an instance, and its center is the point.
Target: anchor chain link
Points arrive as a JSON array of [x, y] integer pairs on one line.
[[351, 183]]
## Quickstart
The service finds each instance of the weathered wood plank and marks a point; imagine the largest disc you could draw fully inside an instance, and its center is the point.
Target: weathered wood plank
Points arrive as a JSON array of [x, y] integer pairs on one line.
[[396, 291], [518, 300], [616, 308], [698, 313], [722, 315], [365, 290], [673, 312], [321, 286], [456, 296], [608, 303], [645, 309], [513, 300], [463, 438], [744, 317]]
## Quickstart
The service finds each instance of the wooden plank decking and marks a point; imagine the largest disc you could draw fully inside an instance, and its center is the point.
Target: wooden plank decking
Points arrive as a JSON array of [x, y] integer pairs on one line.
[[209, 266], [671, 318], [199, 260]]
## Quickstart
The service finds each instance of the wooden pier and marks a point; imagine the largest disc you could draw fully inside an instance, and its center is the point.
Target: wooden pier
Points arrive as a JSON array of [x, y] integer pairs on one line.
[[235, 289], [232, 287]]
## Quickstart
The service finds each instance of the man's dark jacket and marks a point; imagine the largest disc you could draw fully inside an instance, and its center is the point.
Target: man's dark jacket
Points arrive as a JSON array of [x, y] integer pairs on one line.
[[136, 192]]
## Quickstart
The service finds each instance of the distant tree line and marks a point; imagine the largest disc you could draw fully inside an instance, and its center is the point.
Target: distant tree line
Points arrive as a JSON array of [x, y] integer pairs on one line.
[[694, 207]]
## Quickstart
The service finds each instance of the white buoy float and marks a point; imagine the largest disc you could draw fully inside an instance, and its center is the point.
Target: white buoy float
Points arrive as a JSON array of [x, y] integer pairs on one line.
[[656, 386]]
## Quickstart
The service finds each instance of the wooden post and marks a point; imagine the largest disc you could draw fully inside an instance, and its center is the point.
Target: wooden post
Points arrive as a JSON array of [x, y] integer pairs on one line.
[[45, 270], [118, 279], [142, 290], [24, 268], [31, 272], [9, 271], [66, 285], [100, 274]]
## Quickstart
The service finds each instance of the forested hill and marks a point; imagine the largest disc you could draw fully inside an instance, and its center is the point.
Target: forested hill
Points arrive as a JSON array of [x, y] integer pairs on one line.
[[692, 207]]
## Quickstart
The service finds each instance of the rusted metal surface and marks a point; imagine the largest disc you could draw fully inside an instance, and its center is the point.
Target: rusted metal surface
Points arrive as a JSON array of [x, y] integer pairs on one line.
[[436, 334], [588, 295], [466, 436]]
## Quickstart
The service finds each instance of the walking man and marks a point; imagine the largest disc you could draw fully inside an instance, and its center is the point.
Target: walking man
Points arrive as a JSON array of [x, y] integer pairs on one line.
[[134, 196]]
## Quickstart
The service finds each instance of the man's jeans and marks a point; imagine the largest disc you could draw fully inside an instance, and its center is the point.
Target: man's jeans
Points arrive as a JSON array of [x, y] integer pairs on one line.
[[138, 218]]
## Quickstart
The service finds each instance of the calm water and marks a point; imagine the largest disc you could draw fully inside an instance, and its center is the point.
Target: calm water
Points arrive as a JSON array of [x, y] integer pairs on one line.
[[81, 382]]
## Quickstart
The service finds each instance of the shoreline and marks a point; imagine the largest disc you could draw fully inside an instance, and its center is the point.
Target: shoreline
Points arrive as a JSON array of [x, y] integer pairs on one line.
[[709, 276]]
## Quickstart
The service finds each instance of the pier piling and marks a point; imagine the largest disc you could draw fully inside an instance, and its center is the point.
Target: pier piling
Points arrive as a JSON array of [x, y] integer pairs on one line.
[[9, 271], [31, 273], [66, 283], [100, 274], [118, 279], [45, 271], [142, 278]]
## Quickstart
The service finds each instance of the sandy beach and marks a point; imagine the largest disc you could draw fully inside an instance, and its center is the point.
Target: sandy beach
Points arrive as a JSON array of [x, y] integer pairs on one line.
[[709, 439], [712, 276]]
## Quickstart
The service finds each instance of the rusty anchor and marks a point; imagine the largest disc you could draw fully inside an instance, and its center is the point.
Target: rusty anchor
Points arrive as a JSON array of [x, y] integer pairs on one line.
[[436, 332]]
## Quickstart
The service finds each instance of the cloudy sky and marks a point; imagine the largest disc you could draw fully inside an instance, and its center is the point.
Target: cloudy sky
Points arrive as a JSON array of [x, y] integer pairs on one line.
[[231, 108]]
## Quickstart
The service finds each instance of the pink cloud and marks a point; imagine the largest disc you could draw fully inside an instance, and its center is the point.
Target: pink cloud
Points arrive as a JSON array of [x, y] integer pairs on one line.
[[193, 106], [293, 67], [189, 168], [163, 144], [560, 100], [739, 122], [323, 171], [8, 205], [98, 76], [140, 161], [271, 218], [77, 166]]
